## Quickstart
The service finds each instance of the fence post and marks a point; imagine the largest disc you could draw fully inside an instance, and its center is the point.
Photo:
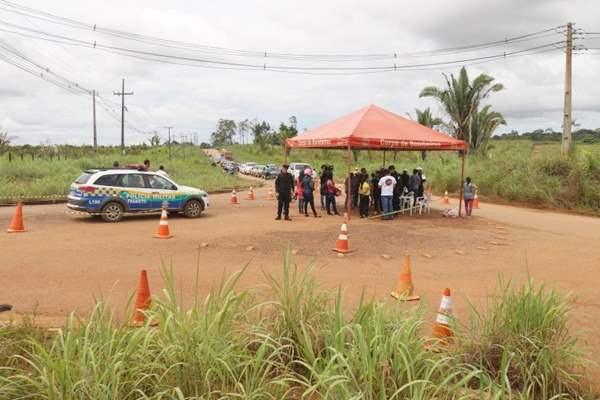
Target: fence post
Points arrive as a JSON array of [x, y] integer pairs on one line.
[[9, 156], [32, 156], [21, 156]]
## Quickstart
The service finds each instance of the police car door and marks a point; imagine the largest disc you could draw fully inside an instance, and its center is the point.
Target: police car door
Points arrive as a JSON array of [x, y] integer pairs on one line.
[[135, 192], [163, 191]]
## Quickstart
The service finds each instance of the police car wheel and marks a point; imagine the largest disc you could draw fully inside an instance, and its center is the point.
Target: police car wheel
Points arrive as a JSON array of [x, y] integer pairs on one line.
[[192, 209], [112, 212]]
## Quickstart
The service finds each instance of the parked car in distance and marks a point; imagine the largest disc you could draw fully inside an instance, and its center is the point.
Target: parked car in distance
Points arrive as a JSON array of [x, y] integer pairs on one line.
[[257, 170], [270, 172], [246, 167], [295, 169]]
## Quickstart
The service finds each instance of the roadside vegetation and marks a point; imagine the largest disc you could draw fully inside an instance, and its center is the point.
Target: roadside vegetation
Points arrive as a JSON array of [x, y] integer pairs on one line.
[[51, 170], [509, 171], [299, 341]]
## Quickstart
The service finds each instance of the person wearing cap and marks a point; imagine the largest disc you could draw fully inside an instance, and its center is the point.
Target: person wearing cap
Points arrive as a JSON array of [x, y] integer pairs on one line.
[[415, 184], [284, 186], [397, 191], [387, 183], [404, 181], [308, 187], [423, 181]]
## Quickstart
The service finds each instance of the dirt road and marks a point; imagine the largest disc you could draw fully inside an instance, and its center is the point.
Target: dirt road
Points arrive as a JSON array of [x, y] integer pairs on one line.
[[64, 262]]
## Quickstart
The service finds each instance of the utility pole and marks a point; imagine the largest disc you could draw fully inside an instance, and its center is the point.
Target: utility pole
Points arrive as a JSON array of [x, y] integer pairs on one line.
[[567, 116], [94, 111], [169, 128], [122, 93]]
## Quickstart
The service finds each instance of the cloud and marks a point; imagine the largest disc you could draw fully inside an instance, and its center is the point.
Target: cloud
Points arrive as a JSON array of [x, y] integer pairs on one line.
[[192, 99]]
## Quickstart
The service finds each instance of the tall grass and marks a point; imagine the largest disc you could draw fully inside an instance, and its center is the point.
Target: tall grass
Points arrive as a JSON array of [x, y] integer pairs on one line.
[[511, 171], [45, 177], [301, 342]]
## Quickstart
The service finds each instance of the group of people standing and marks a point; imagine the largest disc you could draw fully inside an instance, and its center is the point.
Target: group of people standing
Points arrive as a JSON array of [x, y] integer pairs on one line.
[[382, 190]]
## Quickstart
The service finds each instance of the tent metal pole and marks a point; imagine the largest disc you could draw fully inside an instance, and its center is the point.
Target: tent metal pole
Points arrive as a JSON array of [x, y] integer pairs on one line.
[[462, 183], [349, 188], [383, 166]]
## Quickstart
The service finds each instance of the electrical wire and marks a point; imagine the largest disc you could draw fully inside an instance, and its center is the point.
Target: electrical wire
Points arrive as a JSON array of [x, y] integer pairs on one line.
[[16, 8], [264, 66]]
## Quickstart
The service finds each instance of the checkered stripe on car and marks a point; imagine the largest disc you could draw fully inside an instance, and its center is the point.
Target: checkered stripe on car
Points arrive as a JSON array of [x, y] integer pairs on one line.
[[102, 191]]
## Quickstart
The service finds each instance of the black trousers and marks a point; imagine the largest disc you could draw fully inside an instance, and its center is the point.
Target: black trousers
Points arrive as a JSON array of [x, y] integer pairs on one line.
[[283, 204], [364, 206], [330, 202], [309, 199]]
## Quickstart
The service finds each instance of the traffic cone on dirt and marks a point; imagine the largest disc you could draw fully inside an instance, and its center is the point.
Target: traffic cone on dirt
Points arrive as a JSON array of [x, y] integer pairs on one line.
[[445, 199], [142, 300], [233, 199], [250, 194], [475, 201], [163, 227], [342, 243], [405, 289], [441, 329], [270, 195], [17, 222]]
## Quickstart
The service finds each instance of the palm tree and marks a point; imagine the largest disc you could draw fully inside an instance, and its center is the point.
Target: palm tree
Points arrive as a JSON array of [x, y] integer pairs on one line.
[[461, 98], [424, 117], [485, 123]]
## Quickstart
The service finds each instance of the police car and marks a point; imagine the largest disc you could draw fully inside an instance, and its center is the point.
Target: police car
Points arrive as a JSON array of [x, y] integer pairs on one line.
[[112, 192]]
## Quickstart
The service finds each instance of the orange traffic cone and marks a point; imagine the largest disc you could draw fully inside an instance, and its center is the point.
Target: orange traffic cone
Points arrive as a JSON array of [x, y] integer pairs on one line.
[[475, 201], [441, 329], [142, 300], [342, 242], [250, 194], [270, 195], [17, 222], [445, 199], [404, 288], [233, 199], [163, 227]]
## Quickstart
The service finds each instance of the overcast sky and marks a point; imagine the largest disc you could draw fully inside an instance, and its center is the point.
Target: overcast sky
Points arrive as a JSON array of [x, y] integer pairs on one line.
[[193, 99]]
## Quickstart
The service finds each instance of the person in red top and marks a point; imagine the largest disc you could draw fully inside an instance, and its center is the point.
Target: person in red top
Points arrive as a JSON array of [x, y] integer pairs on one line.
[[330, 193], [300, 192]]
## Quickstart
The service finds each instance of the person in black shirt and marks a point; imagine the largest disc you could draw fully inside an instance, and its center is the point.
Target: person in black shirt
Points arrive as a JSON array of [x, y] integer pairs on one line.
[[376, 192], [284, 186], [397, 189]]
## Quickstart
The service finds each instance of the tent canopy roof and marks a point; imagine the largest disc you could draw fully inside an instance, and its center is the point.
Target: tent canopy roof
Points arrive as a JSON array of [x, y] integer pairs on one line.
[[373, 127]]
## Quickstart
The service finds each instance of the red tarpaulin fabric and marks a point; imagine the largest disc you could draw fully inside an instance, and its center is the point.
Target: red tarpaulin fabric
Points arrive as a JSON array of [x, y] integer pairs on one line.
[[375, 128]]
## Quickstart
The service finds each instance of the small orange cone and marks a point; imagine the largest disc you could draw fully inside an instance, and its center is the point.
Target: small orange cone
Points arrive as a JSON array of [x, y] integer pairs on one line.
[[405, 289], [233, 199], [250, 194], [163, 227], [270, 195], [441, 329], [342, 243], [445, 199], [142, 300], [17, 222], [475, 201]]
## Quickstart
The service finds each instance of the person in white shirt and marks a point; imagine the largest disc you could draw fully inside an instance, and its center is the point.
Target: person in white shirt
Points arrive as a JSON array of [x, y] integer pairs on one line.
[[161, 171], [387, 184]]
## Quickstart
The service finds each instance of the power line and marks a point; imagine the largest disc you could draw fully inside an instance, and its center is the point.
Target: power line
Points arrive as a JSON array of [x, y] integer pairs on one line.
[[264, 66], [180, 45]]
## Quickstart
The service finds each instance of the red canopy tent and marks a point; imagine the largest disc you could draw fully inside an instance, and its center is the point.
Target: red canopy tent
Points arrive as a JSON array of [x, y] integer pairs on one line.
[[373, 128]]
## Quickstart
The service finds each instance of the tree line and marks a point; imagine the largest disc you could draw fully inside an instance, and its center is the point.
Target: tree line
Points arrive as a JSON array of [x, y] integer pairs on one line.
[[259, 132]]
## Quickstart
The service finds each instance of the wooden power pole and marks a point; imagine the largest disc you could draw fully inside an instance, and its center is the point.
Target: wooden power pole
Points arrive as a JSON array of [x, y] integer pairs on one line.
[[567, 116], [122, 93], [94, 111], [169, 143]]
